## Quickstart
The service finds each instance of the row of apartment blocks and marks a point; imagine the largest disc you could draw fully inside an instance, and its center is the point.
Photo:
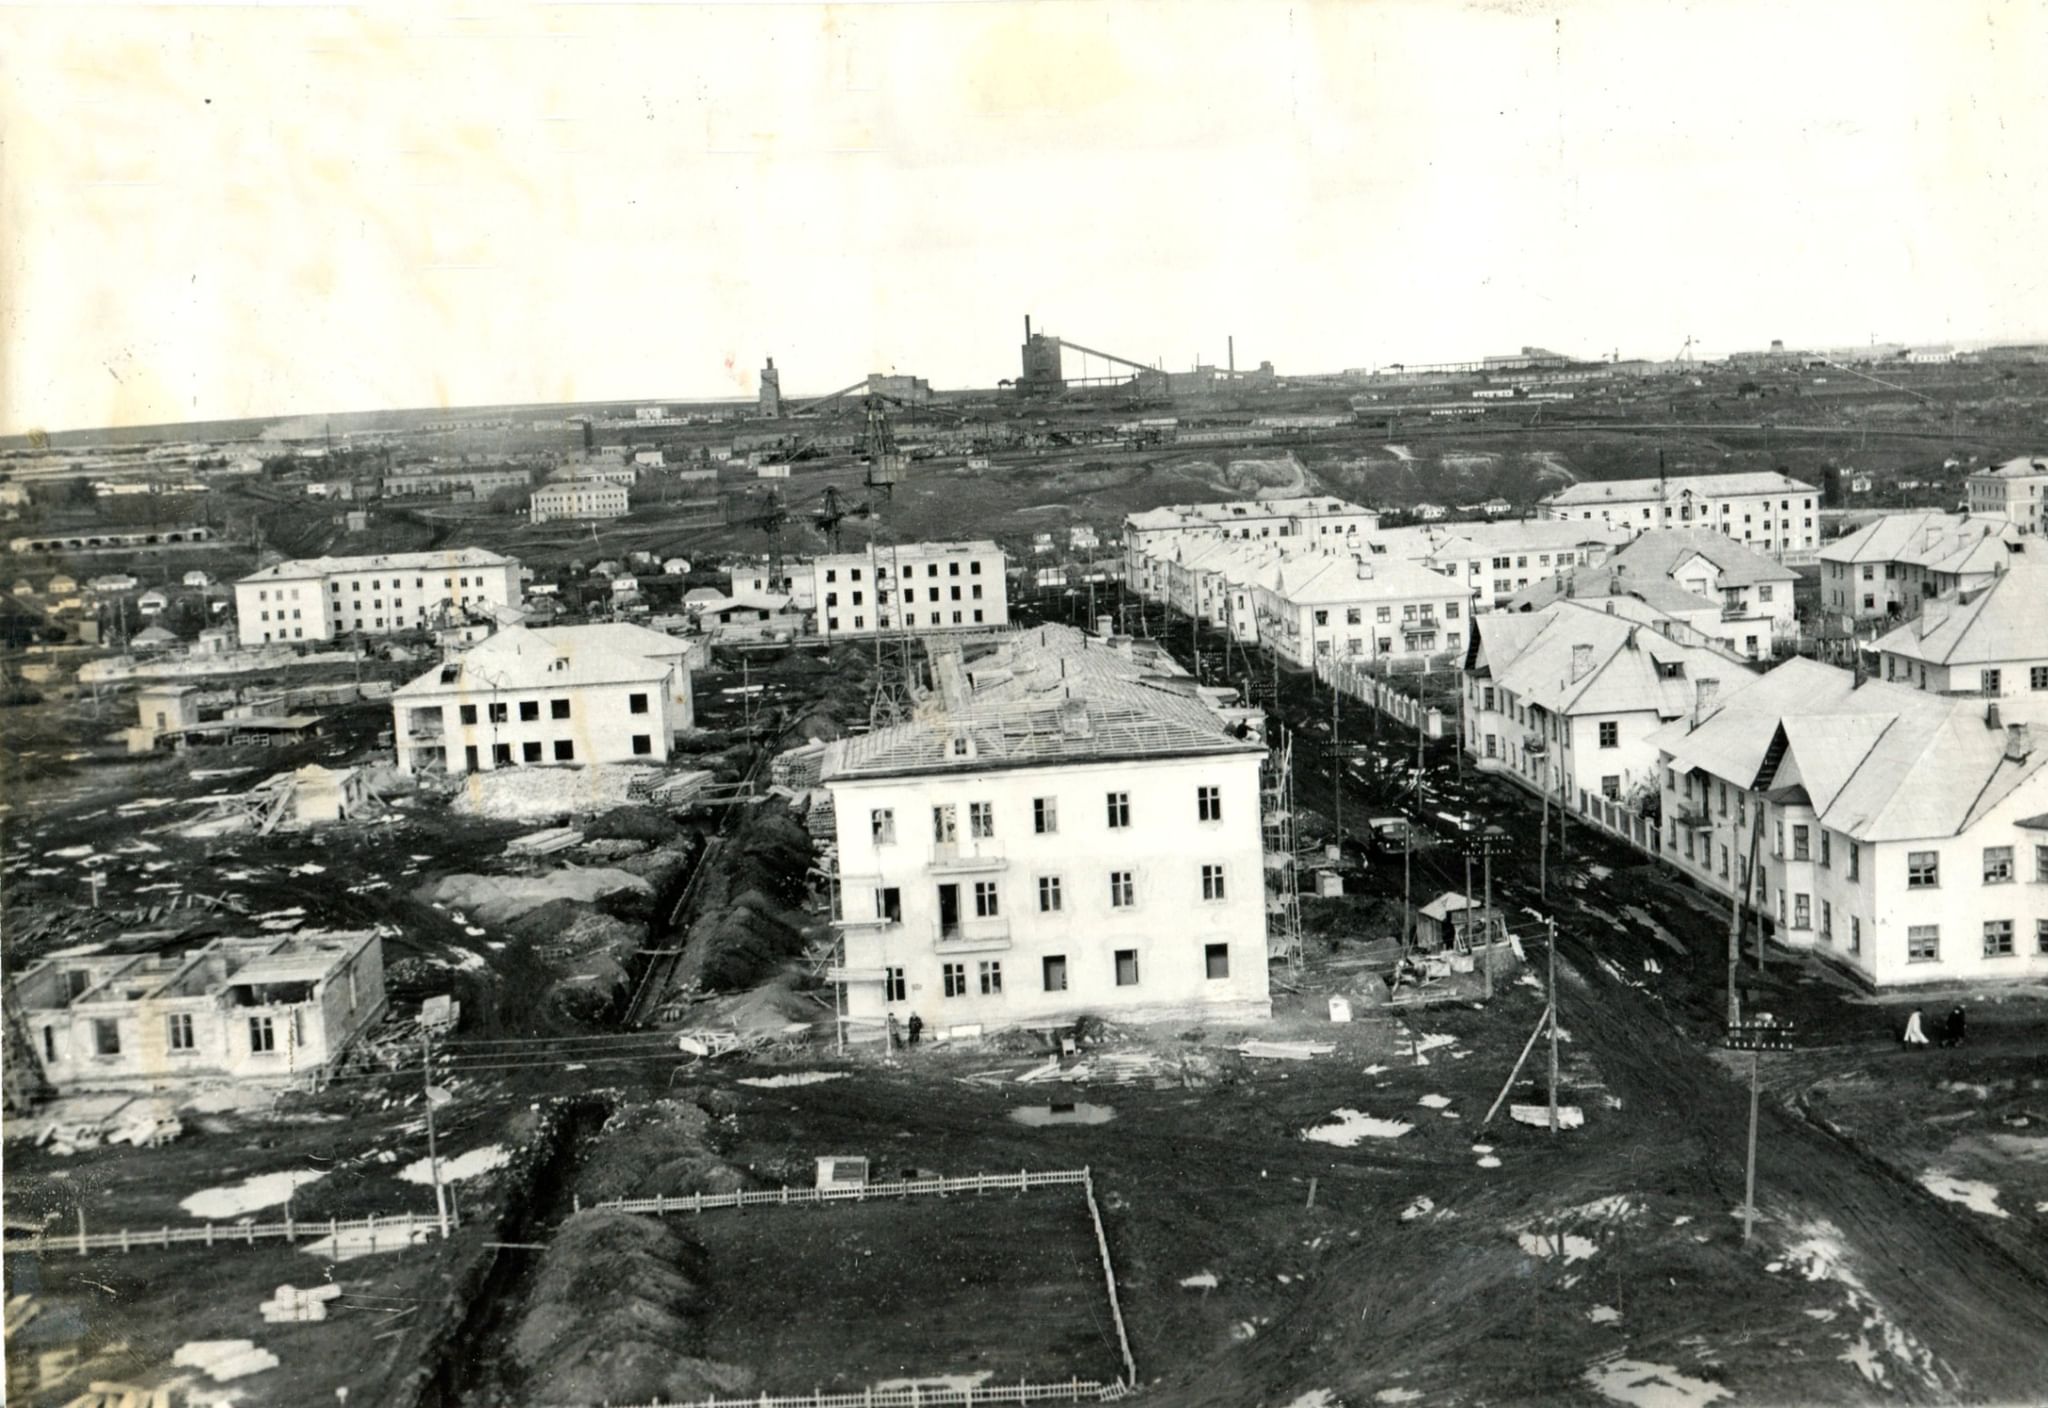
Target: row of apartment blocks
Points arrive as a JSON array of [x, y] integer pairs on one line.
[[1073, 826], [1899, 832]]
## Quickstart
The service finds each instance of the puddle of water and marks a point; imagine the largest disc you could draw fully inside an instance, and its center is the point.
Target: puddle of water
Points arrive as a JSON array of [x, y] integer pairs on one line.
[[1069, 1112]]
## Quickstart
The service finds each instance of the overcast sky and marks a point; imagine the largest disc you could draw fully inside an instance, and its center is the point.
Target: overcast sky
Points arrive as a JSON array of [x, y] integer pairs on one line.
[[228, 211]]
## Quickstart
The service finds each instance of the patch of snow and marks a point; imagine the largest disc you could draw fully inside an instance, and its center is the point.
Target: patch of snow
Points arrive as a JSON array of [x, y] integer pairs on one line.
[[1977, 1197], [1490, 1161], [1346, 1127], [72, 853], [1435, 1102], [473, 1164], [945, 1383], [1200, 1281], [1647, 1385], [363, 1241], [1573, 1246], [1396, 1395], [793, 1078], [1375, 1070], [263, 1190], [1421, 1207], [1603, 1315], [1821, 1254], [311, 867], [1430, 1041]]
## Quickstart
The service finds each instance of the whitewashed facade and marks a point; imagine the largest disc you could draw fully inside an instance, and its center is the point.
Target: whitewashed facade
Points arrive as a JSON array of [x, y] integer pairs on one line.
[[317, 599], [1770, 512], [910, 587]]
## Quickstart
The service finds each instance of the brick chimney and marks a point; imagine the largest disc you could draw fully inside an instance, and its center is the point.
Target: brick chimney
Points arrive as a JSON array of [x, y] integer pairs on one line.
[[2019, 742], [1991, 719]]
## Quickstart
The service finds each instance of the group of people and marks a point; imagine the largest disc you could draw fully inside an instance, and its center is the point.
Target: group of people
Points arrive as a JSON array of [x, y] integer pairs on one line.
[[896, 1031], [1953, 1028]]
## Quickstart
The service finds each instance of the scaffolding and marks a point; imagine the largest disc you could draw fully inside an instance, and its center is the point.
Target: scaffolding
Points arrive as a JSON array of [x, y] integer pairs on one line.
[[1282, 864]]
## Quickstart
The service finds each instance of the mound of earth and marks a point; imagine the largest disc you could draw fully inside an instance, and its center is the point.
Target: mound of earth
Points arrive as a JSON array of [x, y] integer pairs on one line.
[[617, 1315], [748, 918], [499, 899], [635, 823], [664, 1147]]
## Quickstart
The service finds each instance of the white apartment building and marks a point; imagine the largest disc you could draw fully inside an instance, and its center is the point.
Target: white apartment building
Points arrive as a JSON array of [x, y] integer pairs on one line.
[[2016, 490], [1499, 558], [1768, 511], [525, 697], [1341, 607], [1565, 700], [1023, 863], [317, 599], [1890, 567], [1900, 835], [911, 587], [1715, 587], [1990, 640], [1154, 531], [586, 496]]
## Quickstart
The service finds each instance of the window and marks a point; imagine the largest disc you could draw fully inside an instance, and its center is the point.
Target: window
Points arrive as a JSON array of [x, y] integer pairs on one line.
[[1054, 967], [1998, 865], [956, 979], [1119, 810], [1610, 786], [1209, 804], [1049, 894], [500, 713], [1763, 593], [1384, 613], [981, 820], [2041, 865], [558, 708], [991, 979], [1923, 870], [1212, 882], [889, 905], [1923, 943], [1216, 960], [1122, 894], [1855, 934], [1802, 911], [501, 755], [469, 713], [179, 1030], [1855, 861], [1991, 679], [636, 703], [2040, 938], [1354, 616], [985, 906], [1998, 938], [106, 1037], [2037, 677], [894, 989], [1045, 816], [1824, 848], [565, 751], [1827, 922], [1610, 734], [643, 745], [1126, 967], [882, 822], [262, 1036], [530, 752], [945, 824]]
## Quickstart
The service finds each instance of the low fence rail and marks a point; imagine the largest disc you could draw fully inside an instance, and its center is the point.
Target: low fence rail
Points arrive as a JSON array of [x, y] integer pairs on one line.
[[661, 1205], [933, 1395], [399, 1229]]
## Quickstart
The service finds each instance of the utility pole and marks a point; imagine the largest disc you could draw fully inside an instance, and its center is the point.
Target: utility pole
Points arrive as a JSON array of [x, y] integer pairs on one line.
[[1337, 763], [1553, 1025], [1764, 1034], [433, 1149], [1486, 858], [1543, 845]]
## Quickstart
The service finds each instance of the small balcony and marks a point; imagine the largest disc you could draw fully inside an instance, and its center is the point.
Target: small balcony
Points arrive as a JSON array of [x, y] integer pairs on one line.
[[866, 923], [1693, 816], [1535, 745], [967, 857], [974, 936]]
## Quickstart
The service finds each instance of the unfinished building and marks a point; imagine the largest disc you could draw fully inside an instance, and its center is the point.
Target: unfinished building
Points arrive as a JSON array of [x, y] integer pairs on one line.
[[249, 1009]]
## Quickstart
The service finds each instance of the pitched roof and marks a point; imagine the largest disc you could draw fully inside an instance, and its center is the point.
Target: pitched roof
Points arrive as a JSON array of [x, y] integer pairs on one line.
[[1663, 596], [1662, 552], [299, 568], [2022, 467], [1880, 763], [523, 658], [2005, 620], [1596, 491], [1940, 542], [1629, 669]]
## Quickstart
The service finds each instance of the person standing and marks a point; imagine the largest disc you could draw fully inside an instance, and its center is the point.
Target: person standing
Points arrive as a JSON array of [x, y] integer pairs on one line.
[[895, 1033], [1912, 1036], [917, 1026]]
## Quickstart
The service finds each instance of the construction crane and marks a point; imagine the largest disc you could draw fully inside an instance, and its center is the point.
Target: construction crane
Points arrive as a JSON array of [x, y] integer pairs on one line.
[[834, 512], [766, 513], [1685, 352]]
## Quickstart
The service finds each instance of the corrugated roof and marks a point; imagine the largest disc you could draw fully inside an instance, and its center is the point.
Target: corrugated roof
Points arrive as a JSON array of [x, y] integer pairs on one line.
[[2006, 620]]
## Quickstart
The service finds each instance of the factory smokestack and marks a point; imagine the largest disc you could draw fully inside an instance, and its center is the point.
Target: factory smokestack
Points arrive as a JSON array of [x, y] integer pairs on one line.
[[1233, 354], [1027, 327]]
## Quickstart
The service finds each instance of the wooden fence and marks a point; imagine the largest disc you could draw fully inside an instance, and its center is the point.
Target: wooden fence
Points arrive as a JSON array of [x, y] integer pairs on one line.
[[920, 1396], [399, 1230], [661, 1205]]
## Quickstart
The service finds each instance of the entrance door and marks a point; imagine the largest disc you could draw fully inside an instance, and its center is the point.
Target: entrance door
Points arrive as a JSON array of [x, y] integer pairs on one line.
[[469, 757], [949, 911]]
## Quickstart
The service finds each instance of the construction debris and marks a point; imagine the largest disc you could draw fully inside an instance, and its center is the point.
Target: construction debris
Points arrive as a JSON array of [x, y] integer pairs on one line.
[[1285, 1050], [224, 1359], [1568, 1116], [292, 1306], [540, 843]]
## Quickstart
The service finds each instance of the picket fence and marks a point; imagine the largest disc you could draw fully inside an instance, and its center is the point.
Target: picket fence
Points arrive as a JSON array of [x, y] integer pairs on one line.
[[404, 1229], [661, 1205], [920, 1396]]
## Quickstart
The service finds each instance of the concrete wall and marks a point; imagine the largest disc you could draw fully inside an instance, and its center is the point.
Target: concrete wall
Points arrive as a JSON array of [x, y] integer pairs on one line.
[[600, 728]]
